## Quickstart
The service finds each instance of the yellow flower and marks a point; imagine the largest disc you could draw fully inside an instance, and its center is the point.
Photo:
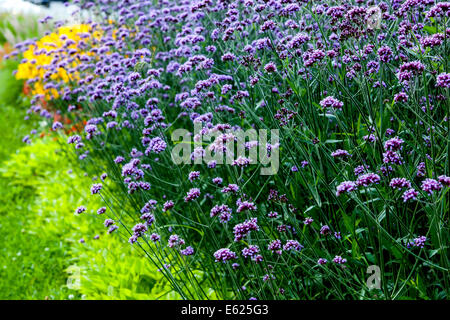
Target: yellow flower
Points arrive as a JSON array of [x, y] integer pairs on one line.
[[47, 51]]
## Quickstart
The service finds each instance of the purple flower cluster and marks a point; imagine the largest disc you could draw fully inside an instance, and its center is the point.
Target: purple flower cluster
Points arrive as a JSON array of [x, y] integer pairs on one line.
[[188, 251], [224, 255], [275, 246], [339, 153], [443, 80], [138, 231], [223, 67], [325, 230], [168, 205], [431, 185], [223, 211], [194, 175], [192, 194], [80, 209], [252, 252], [418, 242], [109, 223], [96, 188], [245, 205], [385, 54], [399, 183], [292, 245], [339, 260], [367, 179], [410, 194], [444, 180], [393, 144], [346, 187], [175, 241], [230, 188], [331, 102], [242, 229]]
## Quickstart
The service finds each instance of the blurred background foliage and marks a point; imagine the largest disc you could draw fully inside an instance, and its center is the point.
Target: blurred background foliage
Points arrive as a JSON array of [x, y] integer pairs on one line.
[[15, 28]]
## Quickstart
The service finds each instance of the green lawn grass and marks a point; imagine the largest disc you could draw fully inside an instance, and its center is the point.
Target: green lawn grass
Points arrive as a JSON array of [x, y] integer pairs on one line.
[[42, 226], [39, 232], [39, 238], [31, 266]]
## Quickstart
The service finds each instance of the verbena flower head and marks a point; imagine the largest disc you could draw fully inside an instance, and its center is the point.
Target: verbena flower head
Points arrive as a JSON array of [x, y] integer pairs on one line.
[[139, 229], [224, 255], [168, 205], [272, 214], [230, 188], [385, 54], [194, 175], [155, 237], [108, 222], [339, 260], [241, 162], [270, 67], [360, 169], [392, 157], [418, 242], [188, 251], [346, 187], [443, 80], [368, 179], [421, 169], [96, 188], [393, 144], [444, 180], [331, 102], [292, 245], [410, 194], [275, 246], [245, 205], [325, 230], [242, 229], [431, 185], [113, 228], [156, 145], [399, 183], [339, 153], [250, 252], [175, 240], [80, 209], [193, 194]]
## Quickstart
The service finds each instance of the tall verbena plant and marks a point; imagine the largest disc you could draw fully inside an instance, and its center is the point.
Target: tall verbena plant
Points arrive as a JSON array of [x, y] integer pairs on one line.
[[357, 92]]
